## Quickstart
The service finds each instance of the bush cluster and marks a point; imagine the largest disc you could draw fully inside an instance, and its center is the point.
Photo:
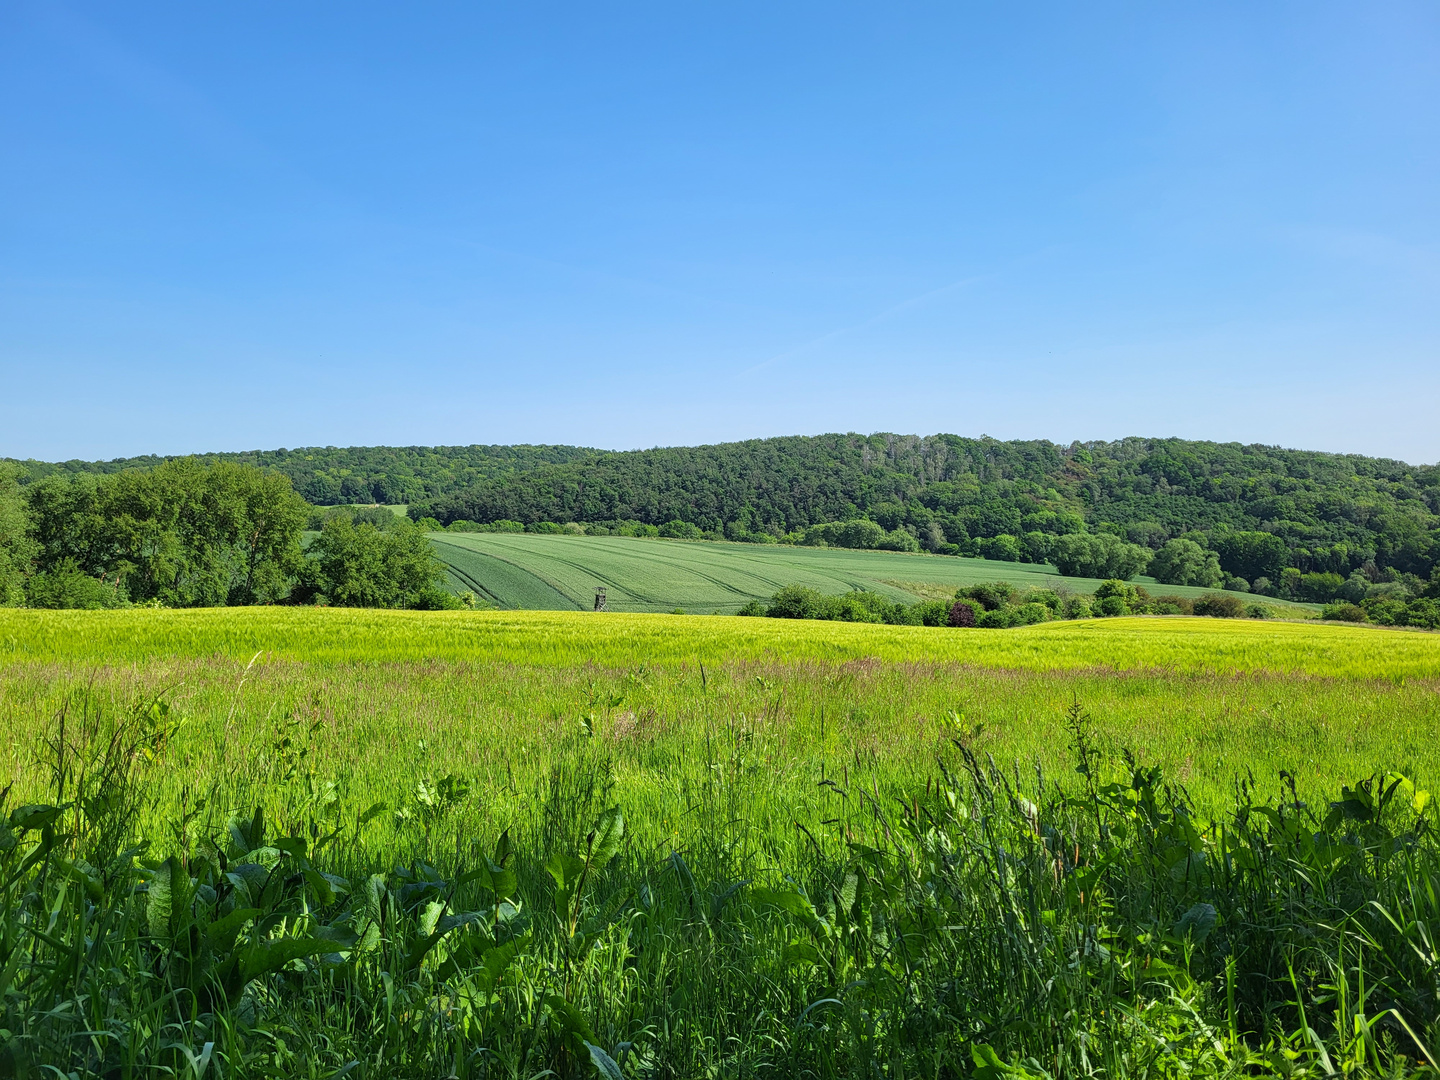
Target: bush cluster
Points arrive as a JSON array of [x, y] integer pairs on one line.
[[997, 605], [187, 534], [1394, 608]]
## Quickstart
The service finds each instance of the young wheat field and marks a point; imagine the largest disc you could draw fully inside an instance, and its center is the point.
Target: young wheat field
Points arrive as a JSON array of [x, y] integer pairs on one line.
[[321, 842]]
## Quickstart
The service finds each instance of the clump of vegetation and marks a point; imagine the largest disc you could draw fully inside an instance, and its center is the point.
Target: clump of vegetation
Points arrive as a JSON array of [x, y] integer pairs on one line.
[[981, 923], [998, 605], [1390, 603], [186, 534]]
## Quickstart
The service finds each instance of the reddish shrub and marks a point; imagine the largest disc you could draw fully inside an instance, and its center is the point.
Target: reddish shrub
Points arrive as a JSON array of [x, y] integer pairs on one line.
[[962, 613]]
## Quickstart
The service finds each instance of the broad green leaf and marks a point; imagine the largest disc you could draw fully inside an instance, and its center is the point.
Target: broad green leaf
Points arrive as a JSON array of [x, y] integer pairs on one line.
[[165, 897], [262, 959], [222, 931], [604, 1063], [24, 818], [786, 900], [1199, 921], [609, 831], [569, 1017]]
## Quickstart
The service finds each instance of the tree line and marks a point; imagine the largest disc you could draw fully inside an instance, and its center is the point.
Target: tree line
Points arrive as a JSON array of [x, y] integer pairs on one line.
[[1298, 525], [351, 475], [1259, 510], [190, 534]]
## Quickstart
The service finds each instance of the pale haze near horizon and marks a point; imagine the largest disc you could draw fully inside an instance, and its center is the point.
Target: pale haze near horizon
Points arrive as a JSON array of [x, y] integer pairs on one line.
[[648, 225]]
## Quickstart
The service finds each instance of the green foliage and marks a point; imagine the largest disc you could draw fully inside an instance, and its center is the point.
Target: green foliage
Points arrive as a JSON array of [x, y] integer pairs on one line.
[[1221, 606], [328, 475], [680, 530], [17, 549], [66, 586], [1127, 931], [181, 534], [1321, 588], [362, 566], [1251, 554], [1344, 612], [1002, 548], [1328, 512], [1184, 562], [1098, 555]]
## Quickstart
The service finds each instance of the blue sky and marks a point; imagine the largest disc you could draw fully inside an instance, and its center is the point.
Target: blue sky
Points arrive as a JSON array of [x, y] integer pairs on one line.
[[262, 225]]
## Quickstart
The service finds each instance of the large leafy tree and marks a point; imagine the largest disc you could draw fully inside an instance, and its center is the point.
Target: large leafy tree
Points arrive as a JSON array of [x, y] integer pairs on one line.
[[183, 533], [17, 549], [363, 566], [1184, 562]]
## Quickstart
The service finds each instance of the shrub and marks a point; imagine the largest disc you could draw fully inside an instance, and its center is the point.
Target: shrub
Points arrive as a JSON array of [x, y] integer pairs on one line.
[[68, 587], [1424, 613], [1116, 597], [753, 608], [1220, 606], [1183, 605], [1077, 607], [899, 540], [991, 594], [797, 602], [929, 613], [1344, 612], [861, 606], [1109, 606], [1029, 614], [1237, 584], [962, 613], [1257, 611], [998, 619], [548, 527], [434, 598], [1385, 611], [680, 530]]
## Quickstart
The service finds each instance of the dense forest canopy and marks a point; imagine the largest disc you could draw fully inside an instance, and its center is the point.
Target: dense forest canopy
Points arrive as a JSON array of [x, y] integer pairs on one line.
[[330, 476]]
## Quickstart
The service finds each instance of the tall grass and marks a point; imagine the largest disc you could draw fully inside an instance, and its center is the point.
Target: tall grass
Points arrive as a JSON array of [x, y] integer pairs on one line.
[[989, 922], [681, 855]]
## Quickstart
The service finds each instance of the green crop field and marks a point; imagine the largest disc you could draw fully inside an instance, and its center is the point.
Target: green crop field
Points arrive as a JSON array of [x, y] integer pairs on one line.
[[561, 572], [749, 847]]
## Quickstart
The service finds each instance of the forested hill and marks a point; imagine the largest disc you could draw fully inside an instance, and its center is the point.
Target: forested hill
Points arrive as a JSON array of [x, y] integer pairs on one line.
[[1334, 512], [329, 475]]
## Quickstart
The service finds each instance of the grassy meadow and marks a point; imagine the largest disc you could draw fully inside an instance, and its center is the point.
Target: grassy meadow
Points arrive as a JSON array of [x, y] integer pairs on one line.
[[746, 847], [555, 572]]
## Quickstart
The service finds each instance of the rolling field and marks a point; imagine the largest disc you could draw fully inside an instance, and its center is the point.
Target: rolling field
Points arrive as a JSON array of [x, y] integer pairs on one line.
[[561, 572], [348, 635]]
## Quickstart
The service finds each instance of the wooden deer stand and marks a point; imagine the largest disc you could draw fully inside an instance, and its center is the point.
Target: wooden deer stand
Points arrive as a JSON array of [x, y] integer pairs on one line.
[[600, 599]]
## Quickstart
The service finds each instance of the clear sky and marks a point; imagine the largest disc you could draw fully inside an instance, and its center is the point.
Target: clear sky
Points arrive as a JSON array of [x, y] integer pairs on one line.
[[242, 226]]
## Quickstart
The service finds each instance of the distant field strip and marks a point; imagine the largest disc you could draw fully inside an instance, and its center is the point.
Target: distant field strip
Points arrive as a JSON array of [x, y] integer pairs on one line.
[[559, 573], [623, 640]]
